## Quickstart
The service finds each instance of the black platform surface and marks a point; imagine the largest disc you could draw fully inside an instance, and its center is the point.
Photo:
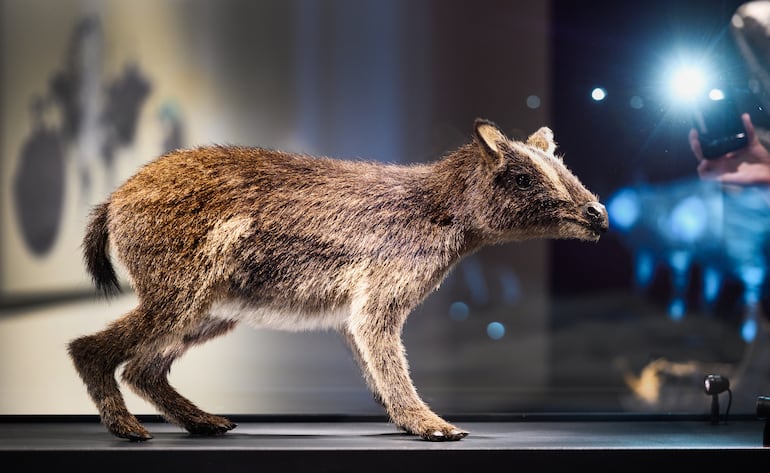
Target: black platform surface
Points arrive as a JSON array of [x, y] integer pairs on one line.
[[310, 444]]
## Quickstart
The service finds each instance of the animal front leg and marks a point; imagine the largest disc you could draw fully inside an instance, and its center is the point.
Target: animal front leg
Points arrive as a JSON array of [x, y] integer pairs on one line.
[[368, 378], [382, 352]]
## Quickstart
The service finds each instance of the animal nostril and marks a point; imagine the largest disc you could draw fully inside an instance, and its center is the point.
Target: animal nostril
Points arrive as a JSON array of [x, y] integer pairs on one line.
[[597, 215], [594, 210]]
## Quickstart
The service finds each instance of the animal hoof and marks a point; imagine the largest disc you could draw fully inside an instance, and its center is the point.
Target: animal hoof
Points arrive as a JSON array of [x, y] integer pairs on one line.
[[452, 435], [128, 428], [138, 437], [215, 426]]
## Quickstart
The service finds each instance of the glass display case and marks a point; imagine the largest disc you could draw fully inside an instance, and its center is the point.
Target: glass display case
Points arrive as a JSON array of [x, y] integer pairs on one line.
[[632, 324]]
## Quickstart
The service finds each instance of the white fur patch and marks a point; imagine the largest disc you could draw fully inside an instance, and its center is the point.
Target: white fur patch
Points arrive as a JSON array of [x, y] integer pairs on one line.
[[226, 233], [543, 163], [266, 317]]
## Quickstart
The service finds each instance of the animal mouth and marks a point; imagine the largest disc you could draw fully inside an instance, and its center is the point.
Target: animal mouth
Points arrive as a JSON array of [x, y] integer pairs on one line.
[[600, 228], [594, 229]]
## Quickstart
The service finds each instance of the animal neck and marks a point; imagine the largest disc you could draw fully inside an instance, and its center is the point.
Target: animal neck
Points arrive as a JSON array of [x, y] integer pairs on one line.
[[449, 186]]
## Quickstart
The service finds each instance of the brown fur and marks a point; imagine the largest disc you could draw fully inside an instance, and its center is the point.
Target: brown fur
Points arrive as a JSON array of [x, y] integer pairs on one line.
[[217, 235]]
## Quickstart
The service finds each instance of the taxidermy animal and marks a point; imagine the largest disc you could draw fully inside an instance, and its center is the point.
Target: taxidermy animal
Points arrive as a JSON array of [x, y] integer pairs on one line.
[[214, 236]]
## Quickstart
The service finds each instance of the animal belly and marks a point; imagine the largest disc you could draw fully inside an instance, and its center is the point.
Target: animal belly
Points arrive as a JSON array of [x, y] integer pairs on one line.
[[278, 319]]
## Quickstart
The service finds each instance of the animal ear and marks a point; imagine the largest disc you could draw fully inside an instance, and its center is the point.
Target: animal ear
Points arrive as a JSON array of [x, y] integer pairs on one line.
[[489, 137], [543, 139]]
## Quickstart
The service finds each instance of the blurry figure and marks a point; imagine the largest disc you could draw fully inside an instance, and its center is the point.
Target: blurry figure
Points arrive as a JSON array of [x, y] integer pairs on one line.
[[734, 191], [750, 165], [744, 175]]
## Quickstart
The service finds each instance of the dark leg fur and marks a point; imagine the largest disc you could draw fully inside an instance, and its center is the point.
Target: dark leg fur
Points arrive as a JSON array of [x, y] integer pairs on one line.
[[149, 355], [147, 374], [96, 357]]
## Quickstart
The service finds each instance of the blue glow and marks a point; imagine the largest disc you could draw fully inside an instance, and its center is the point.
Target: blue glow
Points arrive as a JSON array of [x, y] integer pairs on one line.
[[598, 94], [688, 219], [712, 282], [751, 295], [695, 223], [459, 311], [749, 330], [644, 268], [636, 102], [752, 275], [624, 209], [679, 260], [676, 309], [495, 330]]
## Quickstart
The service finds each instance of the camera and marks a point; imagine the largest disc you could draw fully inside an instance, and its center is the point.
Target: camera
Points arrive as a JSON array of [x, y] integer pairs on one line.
[[718, 121]]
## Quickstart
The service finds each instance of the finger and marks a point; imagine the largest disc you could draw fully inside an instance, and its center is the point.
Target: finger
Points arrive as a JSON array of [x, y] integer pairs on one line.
[[715, 168], [704, 169], [751, 134], [695, 144]]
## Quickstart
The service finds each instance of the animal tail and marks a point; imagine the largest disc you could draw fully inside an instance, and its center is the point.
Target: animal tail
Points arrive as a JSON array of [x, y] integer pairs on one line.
[[96, 252]]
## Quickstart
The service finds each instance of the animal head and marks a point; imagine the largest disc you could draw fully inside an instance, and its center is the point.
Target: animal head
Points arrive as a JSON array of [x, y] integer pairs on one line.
[[529, 192]]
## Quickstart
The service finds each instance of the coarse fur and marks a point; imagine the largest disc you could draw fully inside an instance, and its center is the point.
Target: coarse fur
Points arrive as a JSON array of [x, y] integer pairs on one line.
[[214, 236]]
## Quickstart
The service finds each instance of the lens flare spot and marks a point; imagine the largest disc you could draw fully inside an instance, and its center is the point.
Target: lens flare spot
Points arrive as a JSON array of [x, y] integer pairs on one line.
[[495, 330], [459, 311]]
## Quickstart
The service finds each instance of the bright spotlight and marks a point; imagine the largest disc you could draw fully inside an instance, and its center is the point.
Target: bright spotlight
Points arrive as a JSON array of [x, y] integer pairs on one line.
[[687, 82], [598, 94]]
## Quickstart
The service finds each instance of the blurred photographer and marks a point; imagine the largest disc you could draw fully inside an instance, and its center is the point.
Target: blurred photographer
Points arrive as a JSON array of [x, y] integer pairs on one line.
[[749, 165]]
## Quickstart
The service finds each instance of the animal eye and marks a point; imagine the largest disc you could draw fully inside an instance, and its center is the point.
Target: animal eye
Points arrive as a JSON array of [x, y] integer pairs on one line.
[[523, 181]]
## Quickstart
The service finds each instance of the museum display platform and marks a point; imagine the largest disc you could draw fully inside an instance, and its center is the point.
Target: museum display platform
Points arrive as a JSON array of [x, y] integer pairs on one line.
[[340, 443]]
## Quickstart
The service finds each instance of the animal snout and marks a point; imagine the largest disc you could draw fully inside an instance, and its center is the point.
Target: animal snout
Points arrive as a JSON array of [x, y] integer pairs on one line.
[[597, 216]]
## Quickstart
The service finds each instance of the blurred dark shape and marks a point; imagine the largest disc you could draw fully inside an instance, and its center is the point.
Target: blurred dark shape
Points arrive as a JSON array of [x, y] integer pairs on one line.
[[66, 86], [125, 97], [38, 187]]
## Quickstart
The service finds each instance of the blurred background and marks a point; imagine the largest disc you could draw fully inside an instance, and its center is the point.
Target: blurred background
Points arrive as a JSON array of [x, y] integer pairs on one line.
[[91, 90]]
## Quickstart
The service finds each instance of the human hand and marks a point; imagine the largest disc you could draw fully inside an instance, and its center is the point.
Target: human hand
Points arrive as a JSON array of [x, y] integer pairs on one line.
[[746, 166]]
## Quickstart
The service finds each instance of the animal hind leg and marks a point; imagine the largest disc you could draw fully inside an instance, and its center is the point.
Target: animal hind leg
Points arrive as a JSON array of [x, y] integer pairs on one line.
[[97, 356], [147, 374]]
